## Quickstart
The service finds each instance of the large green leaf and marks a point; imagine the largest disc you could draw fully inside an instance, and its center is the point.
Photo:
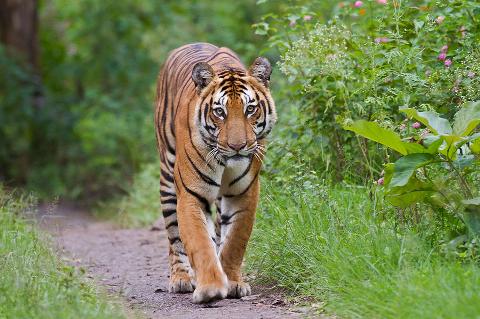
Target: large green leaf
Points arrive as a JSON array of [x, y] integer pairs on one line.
[[414, 192], [433, 143], [472, 214], [449, 148], [408, 198], [467, 118], [405, 166], [388, 168], [375, 132], [475, 146], [432, 120]]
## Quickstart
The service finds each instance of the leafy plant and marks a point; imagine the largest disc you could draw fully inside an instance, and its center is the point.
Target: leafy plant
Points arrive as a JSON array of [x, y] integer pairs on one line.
[[364, 59], [439, 166]]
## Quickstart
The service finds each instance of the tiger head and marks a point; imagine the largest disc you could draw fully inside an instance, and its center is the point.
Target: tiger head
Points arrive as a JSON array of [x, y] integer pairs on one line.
[[235, 111]]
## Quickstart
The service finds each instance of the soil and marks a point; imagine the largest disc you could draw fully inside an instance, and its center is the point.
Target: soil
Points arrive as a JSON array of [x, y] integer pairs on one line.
[[133, 263]]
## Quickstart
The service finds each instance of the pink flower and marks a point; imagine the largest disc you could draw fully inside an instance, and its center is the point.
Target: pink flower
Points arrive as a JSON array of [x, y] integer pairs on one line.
[[424, 133], [402, 127], [292, 23], [382, 40], [442, 56], [307, 17], [382, 1], [416, 125], [440, 19], [471, 74], [448, 62], [444, 49], [358, 4], [381, 181]]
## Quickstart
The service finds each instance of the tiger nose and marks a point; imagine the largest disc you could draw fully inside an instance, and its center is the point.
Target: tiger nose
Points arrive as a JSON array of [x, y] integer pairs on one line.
[[237, 147]]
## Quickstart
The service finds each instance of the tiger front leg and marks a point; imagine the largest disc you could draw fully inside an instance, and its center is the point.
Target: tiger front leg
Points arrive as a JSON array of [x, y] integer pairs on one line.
[[211, 281], [237, 219]]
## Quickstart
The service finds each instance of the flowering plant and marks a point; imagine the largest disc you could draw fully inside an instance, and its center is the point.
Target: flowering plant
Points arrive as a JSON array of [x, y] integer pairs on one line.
[[364, 59]]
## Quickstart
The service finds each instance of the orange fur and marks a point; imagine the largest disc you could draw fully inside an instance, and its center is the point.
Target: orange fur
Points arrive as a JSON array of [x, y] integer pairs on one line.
[[212, 117]]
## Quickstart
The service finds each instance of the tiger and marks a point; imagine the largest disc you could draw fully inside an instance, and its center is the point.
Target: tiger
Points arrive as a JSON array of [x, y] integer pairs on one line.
[[212, 118]]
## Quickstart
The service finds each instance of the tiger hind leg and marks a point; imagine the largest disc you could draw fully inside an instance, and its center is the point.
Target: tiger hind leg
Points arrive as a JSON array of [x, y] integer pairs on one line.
[[181, 273]]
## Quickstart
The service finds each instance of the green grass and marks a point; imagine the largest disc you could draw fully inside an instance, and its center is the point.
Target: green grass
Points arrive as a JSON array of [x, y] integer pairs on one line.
[[33, 282], [332, 244], [338, 246]]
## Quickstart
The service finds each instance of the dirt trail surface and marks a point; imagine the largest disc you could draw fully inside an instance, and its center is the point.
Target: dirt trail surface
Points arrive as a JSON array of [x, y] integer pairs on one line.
[[134, 264]]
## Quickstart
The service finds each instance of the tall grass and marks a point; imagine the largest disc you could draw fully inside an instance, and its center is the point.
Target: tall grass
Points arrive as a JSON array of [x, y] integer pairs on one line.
[[331, 243], [33, 283]]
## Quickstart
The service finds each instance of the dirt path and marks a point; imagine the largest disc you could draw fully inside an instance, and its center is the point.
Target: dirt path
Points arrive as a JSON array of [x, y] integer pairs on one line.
[[133, 263]]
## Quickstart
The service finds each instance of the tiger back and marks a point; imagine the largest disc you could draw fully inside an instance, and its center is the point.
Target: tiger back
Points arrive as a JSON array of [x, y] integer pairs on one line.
[[212, 117]]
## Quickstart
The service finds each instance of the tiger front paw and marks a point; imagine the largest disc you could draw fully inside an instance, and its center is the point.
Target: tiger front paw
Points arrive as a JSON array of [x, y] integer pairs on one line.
[[238, 289], [180, 283], [208, 293]]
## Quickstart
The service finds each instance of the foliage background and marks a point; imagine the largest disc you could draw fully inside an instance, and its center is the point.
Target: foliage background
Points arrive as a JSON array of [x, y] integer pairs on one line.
[[99, 62], [324, 229]]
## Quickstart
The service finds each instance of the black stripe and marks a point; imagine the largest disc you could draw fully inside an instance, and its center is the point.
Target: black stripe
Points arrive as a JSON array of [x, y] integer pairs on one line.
[[209, 128], [165, 193], [246, 189], [173, 240], [172, 223], [242, 175], [195, 148], [164, 121], [166, 175], [200, 198], [205, 178], [263, 123], [268, 108], [163, 183], [226, 218], [168, 212], [205, 112], [169, 201]]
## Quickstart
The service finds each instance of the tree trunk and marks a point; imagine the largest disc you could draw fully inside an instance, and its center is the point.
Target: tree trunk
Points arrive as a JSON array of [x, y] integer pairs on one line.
[[19, 34], [18, 29]]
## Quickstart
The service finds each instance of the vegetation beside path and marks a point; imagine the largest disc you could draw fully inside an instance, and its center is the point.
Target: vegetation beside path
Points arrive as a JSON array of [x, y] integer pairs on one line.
[[34, 283]]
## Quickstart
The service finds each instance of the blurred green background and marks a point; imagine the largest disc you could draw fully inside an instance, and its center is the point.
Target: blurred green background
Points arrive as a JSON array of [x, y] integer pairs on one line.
[[76, 118]]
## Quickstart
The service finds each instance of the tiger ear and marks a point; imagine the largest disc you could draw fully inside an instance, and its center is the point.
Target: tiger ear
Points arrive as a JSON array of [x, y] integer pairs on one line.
[[261, 70], [202, 75]]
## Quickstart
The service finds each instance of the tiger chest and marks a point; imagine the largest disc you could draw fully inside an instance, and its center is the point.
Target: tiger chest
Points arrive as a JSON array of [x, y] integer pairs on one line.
[[237, 176]]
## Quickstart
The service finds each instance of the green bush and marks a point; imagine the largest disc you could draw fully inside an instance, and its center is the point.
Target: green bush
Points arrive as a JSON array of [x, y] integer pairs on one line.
[[368, 61]]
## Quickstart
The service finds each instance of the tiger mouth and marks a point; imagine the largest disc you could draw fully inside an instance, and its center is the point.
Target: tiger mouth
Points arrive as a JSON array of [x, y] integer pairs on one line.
[[239, 156]]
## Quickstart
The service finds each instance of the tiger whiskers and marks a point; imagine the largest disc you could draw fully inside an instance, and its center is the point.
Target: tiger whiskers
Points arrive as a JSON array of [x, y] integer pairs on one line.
[[259, 152], [211, 155]]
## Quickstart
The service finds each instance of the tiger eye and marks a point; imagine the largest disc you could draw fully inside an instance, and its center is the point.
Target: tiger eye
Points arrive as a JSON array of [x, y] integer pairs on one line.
[[219, 112]]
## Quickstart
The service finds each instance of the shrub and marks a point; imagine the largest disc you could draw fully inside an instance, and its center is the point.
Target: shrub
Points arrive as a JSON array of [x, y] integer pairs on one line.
[[368, 61], [439, 165]]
